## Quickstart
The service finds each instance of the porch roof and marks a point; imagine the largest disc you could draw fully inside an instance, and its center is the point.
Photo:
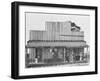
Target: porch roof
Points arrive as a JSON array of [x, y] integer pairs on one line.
[[57, 44]]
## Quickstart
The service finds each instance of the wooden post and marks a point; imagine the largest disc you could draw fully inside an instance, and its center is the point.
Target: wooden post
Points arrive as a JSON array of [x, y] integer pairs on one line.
[[26, 58], [71, 55], [64, 54]]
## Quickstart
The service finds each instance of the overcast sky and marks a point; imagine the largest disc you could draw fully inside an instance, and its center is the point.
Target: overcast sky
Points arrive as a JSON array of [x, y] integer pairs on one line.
[[36, 21]]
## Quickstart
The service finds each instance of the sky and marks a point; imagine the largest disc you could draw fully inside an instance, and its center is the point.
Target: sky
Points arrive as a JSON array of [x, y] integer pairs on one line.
[[36, 21]]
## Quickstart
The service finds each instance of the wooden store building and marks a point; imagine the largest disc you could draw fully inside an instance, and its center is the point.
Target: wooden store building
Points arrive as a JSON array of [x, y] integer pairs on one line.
[[60, 43]]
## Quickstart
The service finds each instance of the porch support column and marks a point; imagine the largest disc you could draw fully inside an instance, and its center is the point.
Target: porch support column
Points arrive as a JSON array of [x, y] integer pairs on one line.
[[64, 54], [36, 59], [26, 57], [87, 49], [88, 57], [71, 55]]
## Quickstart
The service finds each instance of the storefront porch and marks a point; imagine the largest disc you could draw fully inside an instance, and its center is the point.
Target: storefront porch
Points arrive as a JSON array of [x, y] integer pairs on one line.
[[45, 55]]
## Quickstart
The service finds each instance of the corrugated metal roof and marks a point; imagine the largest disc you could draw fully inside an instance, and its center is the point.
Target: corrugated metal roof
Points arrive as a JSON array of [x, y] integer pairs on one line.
[[54, 44], [48, 35], [56, 31]]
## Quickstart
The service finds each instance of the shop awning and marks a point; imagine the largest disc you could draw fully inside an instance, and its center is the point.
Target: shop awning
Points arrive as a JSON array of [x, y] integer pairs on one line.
[[57, 44]]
